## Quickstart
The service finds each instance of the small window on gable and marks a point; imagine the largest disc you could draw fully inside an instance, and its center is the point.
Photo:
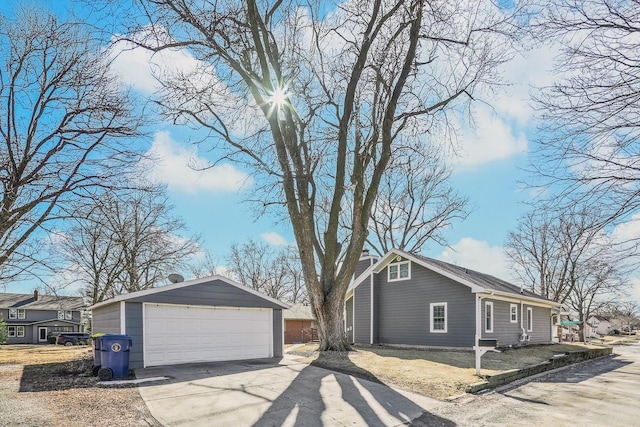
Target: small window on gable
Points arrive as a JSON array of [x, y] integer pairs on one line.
[[529, 319], [488, 316], [513, 313], [399, 271]]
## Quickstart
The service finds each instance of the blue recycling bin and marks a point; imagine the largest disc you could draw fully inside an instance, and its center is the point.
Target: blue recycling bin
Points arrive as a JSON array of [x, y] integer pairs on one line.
[[97, 346], [114, 356]]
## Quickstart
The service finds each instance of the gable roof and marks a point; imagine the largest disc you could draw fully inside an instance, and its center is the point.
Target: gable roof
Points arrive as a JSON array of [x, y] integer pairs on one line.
[[44, 302], [204, 280], [477, 281], [299, 312]]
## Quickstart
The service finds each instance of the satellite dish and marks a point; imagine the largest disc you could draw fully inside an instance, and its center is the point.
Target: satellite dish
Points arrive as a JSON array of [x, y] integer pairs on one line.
[[176, 278]]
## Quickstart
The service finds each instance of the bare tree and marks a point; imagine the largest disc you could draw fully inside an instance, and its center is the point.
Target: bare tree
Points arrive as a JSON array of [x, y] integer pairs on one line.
[[274, 273], [415, 202], [313, 97], [125, 242], [63, 119], [204, 267], [591, 116], [565, 256]]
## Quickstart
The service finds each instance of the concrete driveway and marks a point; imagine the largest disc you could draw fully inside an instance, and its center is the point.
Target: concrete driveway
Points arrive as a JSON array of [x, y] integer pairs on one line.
[[276, 392]]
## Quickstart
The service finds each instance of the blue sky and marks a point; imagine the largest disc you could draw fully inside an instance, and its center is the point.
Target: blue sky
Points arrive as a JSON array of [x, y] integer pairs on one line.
[[488, 170]]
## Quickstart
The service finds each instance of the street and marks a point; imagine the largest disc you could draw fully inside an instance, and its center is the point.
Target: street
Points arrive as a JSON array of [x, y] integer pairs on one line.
[[605, 392]]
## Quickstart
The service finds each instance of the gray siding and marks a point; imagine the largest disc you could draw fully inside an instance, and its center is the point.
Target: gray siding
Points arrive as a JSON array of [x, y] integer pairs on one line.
[[404, 310], [278, 343], [106, 319], [362, 319], [133, 326], [541, 332], [32, 315], [214, 293], [509, 333], [349, 319], [363, 264]]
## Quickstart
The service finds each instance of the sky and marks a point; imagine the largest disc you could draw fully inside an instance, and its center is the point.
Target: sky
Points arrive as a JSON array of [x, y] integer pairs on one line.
[[489, 170]]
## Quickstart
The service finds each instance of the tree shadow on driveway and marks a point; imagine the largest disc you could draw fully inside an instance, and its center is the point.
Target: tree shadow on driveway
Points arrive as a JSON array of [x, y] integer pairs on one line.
[[320, 397]]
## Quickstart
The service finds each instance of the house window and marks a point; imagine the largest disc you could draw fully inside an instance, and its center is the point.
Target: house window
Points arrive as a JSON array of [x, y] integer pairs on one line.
[[60, 314], [513, 313], [20, 331], [438, 317], [399, 271], [13, 313], [68, 315], [11, 331], [22, 313], [488, 316], [529, 319]]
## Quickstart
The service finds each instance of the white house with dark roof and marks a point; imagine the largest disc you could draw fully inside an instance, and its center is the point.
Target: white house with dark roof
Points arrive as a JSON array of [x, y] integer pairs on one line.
[[408, 299], [31, 317]]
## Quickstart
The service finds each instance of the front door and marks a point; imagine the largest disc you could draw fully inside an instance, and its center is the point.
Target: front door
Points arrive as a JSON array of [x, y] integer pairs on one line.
[[42, 334]]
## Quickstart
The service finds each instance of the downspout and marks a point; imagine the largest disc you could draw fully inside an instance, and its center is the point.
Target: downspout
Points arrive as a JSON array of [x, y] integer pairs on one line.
[[372, 307], [524, 332], [477, 350]]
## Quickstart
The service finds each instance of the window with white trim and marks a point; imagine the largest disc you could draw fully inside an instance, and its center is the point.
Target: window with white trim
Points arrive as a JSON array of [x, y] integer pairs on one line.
[[60, 314], [20, 331], [399, 271], [529, 319], [513, 313], [22, 313], [13, 313], [11, 331], [488, 316], [438, 317], [68, 315]]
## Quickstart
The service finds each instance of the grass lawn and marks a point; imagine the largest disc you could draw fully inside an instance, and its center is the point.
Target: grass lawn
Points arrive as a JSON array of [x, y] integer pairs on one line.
[[433, 373]]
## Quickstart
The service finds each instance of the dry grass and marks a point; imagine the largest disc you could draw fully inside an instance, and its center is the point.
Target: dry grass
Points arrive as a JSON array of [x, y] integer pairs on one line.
[[27, 354], [434, 373], [52, 385]]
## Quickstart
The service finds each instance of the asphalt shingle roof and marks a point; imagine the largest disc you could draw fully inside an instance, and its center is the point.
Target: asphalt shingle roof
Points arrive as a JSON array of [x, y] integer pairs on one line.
[[481, 279], [44, 302]]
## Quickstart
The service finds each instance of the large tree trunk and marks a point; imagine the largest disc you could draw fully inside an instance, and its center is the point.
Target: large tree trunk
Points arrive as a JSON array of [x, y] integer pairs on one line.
[[330, 316]]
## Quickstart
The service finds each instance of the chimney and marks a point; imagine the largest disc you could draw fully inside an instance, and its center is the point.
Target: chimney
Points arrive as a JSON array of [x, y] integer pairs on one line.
[[366, 260], [365, 253], [35, 295]]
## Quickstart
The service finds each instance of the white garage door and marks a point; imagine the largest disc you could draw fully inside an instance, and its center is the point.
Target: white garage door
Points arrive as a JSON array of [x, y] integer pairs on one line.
[[185, 334]]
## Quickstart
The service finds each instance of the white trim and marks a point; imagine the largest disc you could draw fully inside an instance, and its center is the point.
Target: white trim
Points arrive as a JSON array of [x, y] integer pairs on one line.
[[509, 297], [46, 333], [529, 317], [22, 311], [371, 311], [24, 331], [446, 315], [123, 320], [180, 285], [398, 264], [511, 313], [353, 317], [15, 314], [9, 328], [486, 305], [144, 333], [271, 347]]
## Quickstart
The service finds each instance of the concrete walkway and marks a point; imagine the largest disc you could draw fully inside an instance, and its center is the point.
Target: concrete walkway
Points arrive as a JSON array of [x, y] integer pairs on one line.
[[275, 392]]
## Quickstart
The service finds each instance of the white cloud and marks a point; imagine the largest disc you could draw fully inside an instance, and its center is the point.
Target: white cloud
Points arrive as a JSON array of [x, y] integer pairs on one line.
[[492, 139], [182, 169], [480, 256], [274, 239]]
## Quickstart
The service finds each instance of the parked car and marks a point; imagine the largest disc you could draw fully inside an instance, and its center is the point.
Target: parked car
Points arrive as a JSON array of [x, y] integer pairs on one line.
[[73, 338]]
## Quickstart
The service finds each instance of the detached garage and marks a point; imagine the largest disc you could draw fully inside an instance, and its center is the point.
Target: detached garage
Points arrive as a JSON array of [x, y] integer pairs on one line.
[[203, 320]]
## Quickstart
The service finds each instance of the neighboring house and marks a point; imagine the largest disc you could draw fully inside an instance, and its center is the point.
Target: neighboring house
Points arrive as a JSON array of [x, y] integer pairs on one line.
[[202, 320], [408, 299], [299, 324], [599, 325], [31, 317]]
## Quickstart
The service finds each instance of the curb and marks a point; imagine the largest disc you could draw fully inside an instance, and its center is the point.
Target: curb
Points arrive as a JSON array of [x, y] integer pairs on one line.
[[554, 363]]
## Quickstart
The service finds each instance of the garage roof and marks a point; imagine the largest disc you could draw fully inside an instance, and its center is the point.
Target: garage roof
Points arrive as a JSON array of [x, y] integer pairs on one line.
[[173, 292]]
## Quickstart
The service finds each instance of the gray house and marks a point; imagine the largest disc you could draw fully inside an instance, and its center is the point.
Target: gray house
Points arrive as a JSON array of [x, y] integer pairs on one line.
[[202, 320], [30, 317], [408, 299]]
